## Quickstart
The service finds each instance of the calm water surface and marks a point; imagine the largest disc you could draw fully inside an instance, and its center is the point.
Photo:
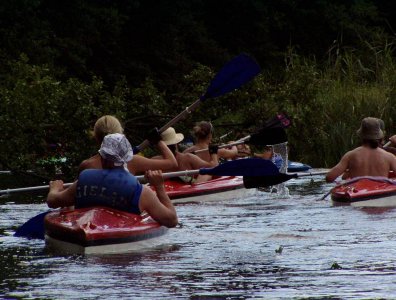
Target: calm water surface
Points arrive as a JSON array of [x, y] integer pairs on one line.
[[262, 246]]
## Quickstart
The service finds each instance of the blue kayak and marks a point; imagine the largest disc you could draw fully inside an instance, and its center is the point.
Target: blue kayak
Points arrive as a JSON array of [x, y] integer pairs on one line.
[[292, 166]]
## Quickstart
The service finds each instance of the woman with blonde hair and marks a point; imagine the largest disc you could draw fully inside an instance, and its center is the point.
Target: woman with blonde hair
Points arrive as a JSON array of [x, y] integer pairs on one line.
[[203, 133], [138, 165]]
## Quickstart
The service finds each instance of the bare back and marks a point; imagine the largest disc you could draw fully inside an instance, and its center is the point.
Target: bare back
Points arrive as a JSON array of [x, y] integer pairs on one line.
[[364, 161], [204, 155]]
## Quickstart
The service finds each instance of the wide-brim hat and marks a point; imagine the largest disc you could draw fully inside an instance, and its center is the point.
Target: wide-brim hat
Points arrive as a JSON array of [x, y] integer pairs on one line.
[[170, 137], [370, 129], [116, 148]]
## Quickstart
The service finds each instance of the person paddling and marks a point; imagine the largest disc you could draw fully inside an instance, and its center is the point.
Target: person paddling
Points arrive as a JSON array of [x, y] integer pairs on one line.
[[367, 160], [115, 186], [203, 133], [110, 124], [188, 161]]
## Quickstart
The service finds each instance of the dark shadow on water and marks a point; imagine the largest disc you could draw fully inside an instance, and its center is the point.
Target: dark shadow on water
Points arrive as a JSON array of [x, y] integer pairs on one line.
[[375, 210], [121, 259]]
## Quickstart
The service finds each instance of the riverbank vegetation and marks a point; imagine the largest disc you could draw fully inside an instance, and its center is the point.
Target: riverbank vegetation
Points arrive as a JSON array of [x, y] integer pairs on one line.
[[326, 64]]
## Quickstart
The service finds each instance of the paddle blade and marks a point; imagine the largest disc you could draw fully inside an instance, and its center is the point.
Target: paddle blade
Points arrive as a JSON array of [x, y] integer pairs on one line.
[[243, 167], [268, 136], [233, 75], [33, 228], [279, 121], [268, 180]]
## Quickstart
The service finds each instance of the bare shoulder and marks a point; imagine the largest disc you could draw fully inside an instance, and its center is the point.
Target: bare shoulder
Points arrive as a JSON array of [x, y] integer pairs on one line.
[[190, 149], [352, 153], [389, 155], [89, 163]]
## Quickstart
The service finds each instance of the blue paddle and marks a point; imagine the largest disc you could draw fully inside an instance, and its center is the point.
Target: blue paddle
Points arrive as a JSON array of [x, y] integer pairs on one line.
[[239, 167], [233, 75], [34, 228]]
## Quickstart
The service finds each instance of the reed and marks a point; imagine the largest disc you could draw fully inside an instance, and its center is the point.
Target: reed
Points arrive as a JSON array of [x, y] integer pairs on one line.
[[335, 100]]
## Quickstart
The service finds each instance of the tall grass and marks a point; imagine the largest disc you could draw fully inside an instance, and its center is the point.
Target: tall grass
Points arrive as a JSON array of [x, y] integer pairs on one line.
[[336, 98]]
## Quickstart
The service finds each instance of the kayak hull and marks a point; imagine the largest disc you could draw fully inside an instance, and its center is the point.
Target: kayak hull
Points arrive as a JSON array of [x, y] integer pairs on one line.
[[99, 230], [218, 189], [293, 167], [366, 192]]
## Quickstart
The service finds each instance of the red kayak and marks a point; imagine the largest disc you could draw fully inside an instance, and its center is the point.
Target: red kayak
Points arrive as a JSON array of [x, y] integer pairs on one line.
[[99, 230], [221, 188], [105, 230], [366, 192]]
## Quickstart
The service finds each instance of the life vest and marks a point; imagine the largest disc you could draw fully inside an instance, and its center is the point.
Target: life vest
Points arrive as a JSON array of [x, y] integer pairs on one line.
[[114, 188]]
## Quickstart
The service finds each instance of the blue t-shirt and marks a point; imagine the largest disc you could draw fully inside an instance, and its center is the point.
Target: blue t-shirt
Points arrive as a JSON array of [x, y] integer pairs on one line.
[[114, 188]]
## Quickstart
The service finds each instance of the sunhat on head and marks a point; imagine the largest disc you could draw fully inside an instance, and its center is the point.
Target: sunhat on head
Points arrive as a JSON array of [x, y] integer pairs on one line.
[[370, 129], [382, 125], [170, 137], [116, 148]]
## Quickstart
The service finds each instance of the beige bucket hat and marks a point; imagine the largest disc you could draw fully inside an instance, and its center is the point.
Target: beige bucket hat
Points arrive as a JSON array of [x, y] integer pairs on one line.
[[170, 137], [370, 129]]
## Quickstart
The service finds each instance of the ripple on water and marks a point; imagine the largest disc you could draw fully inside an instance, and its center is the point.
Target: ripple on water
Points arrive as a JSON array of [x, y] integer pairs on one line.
[[264, 245]]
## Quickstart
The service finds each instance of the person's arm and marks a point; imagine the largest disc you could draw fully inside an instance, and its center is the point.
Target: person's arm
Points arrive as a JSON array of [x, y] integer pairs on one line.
[[140, 164], [58, 196], [267, 154], [228, 153], [157, 204], [390, 149], [392, 139], [198, 163], [338, 169], [243, 150], [393, 163], [392, 146]]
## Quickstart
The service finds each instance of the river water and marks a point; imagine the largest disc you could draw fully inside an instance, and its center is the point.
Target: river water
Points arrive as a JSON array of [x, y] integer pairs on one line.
[[262, 246]]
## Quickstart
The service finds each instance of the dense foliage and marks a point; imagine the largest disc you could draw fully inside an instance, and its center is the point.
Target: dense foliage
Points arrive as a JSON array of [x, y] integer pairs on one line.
[[63, 64]]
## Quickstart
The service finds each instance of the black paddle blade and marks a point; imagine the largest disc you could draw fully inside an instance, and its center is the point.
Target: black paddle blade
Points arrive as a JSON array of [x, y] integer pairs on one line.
[[233, 75], [268, 136], [243, 167], [263, 181], [281, 120]]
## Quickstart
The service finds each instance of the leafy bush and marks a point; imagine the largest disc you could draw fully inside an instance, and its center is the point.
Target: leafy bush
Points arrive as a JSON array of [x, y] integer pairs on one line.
[[41, 116]]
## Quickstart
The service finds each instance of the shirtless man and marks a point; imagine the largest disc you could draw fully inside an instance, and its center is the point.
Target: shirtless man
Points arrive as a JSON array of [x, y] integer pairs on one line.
[[369, 159]]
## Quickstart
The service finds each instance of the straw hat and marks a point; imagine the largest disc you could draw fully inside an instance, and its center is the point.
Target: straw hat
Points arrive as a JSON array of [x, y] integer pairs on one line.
[[170, 137], [370, 129]]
